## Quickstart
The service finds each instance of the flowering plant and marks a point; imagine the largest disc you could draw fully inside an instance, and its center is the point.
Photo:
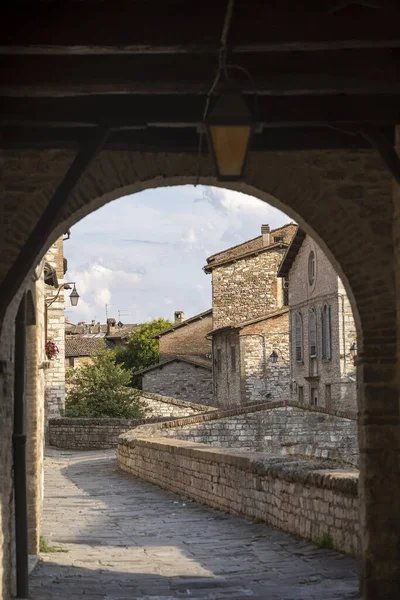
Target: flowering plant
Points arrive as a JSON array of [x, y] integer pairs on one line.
[[51, 349]]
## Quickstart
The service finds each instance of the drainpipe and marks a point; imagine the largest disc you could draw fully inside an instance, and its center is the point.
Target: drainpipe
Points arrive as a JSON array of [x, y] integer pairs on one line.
[[19, 453]]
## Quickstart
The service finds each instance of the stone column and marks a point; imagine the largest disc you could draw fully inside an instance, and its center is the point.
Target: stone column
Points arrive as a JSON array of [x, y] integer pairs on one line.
[[379, 440]]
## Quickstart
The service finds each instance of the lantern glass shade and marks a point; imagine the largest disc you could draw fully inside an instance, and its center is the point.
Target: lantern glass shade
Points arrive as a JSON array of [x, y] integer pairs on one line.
[[230, 129], [74, 297], [274, 357]]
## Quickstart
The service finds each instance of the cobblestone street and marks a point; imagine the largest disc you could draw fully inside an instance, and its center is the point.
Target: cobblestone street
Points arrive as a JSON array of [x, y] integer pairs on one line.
[[125, 539]]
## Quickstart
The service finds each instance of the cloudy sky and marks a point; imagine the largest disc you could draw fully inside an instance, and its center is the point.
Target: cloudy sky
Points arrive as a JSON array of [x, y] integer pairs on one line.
[[143, 254]]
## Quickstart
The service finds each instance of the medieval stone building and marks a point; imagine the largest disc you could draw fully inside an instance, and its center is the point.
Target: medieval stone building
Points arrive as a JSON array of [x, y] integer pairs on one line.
[[184, 369], [322, 328], [250, 321]]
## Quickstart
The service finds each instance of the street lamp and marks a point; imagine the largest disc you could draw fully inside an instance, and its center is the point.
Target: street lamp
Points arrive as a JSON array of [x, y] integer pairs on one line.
[[273, 357], [74, 296], [353, 350], [230, 127]]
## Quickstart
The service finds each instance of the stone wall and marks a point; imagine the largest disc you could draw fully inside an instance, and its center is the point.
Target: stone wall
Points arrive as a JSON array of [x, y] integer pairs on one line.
[[187, 340], [246, 289], [309, 499], [91, 434], [278, 429], [55, 331], [181, 380]]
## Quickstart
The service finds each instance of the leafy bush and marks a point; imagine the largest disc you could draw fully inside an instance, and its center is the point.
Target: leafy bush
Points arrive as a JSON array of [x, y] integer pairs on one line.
[[101, 389], [141, 351]]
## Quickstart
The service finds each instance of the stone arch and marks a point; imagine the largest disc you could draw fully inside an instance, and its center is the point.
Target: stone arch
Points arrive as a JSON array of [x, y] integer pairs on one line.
[[343, 199]]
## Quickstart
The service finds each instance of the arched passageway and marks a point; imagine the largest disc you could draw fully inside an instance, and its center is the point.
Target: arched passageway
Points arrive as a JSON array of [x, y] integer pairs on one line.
[[344, 200]]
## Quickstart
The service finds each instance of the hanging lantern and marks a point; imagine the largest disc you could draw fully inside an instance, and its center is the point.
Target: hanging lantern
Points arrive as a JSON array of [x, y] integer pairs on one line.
[[274, 357], [230, 126], [353, 350], [74, 297]]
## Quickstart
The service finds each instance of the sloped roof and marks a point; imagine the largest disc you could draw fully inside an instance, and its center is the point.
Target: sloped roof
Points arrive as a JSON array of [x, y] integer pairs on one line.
[[123, 331], [184, 323], [266, 317], [291, 253], [249, 248], [197, 362], [82, 345]]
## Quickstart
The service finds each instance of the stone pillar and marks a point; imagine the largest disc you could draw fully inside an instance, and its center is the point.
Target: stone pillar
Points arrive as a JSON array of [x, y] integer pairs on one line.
[[379, 440], [36, 363]]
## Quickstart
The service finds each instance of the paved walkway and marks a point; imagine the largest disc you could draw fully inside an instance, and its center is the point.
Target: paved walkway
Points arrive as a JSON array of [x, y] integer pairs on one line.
[[127, 539]]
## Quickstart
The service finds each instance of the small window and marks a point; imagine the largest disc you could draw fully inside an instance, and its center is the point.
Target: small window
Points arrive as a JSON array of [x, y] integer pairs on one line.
[[278, 238], [285, 292], [233, 358], [312, 332], [298, 337], [314, 396], [311, 268], [301, 394], [219, 360], [71, 361], [328, 395]]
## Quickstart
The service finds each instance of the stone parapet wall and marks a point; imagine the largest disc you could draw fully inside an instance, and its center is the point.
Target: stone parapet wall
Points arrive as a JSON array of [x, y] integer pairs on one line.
[[92, 434], [279, 428], [305, 498]]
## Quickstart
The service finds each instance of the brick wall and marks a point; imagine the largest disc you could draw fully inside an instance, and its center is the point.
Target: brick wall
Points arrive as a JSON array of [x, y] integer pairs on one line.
[[276, 429], [339, 371], [308, 499], [180, 380], [188, 340], [92, 434]]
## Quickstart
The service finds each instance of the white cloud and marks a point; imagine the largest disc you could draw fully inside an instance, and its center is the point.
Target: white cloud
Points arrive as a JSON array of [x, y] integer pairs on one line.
[[144, 253]]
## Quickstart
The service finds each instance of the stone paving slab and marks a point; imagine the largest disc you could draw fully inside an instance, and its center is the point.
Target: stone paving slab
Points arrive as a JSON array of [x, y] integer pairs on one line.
[[126, 539]]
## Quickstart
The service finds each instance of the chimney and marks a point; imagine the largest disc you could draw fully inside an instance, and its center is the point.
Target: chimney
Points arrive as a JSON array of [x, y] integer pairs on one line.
[[93, 322], [110, 324], [179, 316], [266, 235]]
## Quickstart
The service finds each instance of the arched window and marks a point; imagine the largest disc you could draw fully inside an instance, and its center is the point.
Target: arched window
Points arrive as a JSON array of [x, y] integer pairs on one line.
[[298, 337], [311, 268], [312, 332], [327, 332], [321, 333]]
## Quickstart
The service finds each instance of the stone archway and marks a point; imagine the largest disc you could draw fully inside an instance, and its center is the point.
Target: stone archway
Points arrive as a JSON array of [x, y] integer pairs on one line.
[[344, 200]]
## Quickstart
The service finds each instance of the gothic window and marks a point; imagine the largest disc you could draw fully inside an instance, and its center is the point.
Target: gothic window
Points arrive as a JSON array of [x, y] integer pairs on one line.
[[298, 337], [311, 268], [312, 332], [327, 332]]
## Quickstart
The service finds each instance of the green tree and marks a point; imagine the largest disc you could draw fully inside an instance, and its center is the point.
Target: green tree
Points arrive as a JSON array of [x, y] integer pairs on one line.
[[101, 389], [141, 351]]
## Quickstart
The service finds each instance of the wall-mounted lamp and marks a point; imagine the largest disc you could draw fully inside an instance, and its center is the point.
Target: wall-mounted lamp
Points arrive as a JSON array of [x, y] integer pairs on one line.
[[353, 350], [230, 127], [273, 357], [74, 296]]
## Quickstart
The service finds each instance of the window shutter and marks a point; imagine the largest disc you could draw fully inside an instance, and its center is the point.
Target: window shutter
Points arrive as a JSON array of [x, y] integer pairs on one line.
[[320, 333]]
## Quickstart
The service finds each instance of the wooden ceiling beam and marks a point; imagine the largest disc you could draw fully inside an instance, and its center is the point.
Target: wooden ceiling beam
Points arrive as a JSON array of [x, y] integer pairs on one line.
[[178, 26], [358, 71], [138, 111], [183, 140]]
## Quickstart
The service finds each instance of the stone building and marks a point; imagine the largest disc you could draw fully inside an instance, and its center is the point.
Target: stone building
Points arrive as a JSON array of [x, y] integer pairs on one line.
[[54, 269], [186, 378], [251, 361], [250, 321], [187, 337], [322, 328], [80, 349], [184, 369]]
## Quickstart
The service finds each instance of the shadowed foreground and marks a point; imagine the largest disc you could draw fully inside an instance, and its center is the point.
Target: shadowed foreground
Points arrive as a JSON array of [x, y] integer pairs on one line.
[[127, 539]]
